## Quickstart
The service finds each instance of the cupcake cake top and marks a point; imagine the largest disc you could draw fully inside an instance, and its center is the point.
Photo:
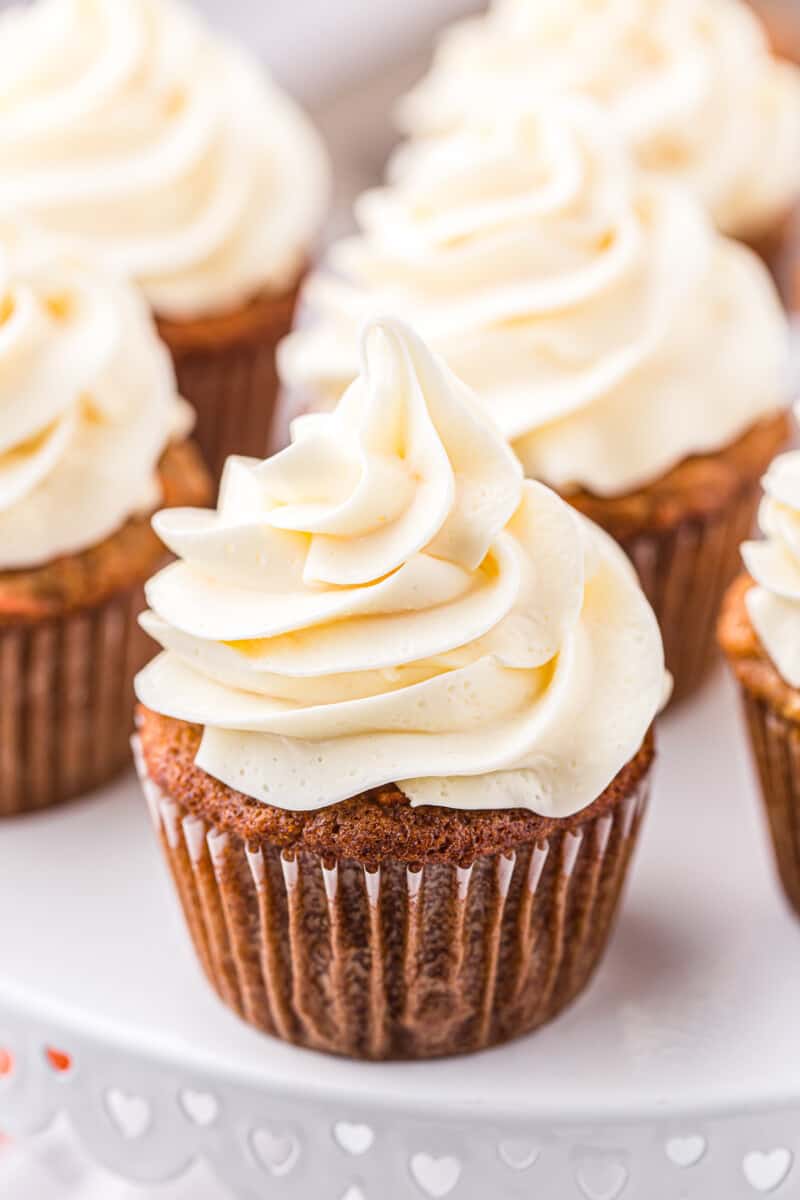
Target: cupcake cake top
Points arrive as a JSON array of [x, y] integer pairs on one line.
[[691, 85], [773, 605], [593, 308], [387, 601], [131, 123], [88, 401]]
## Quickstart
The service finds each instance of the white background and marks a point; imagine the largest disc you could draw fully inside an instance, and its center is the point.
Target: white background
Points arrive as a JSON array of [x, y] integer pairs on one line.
[[313, 46]]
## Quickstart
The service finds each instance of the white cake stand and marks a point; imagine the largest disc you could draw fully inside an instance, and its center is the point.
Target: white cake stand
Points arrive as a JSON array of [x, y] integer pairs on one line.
[[677, 1076]]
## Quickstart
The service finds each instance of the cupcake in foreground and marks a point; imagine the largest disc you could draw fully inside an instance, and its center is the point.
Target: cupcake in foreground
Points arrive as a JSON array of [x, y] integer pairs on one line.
[[690, 84], [633, 358], [92, 441], [134, 125], [760, 634], [398, 743]]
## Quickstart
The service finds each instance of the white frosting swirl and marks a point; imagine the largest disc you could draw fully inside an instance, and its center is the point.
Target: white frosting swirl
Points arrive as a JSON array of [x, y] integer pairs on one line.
[[594, 310], [88, 401], [388, 601], [774, 563], [690, 84], [130, 123]]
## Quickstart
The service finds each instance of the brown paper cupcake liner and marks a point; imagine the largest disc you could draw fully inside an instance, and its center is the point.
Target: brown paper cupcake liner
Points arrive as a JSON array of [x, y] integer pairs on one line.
[[684, 573], [777, 248], [403, 961], [776, 748], [67, 701], [782, 21], [230, 377]]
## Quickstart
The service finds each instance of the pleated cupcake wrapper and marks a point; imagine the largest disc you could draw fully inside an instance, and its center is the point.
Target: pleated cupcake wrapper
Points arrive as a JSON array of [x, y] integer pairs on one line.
[[66, 702], [776, 248], [684, 574], [234, 389], [233, 393], [776, 748], [402, 961]]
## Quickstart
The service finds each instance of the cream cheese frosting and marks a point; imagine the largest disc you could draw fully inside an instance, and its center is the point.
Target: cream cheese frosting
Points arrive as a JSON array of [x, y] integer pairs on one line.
[[593, 308], [88, 401], [774, 563], [130, 123], [388, 601], [690, 84]]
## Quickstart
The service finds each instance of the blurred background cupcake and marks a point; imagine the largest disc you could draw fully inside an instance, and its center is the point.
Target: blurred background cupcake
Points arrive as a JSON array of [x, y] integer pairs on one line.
[[634, 358], [760, 634], [691, 85], [92, 440], [782, 21], [408, 695], [133, 124]]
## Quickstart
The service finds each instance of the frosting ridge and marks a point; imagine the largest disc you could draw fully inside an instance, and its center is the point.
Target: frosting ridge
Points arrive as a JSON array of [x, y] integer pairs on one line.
[[774, 563], [690, 84], [132, 124], [88, 401], [577, 297], [388, 601]]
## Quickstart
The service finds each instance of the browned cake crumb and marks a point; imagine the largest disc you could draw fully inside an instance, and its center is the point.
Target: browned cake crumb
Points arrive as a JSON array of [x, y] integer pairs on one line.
[[133, 553], [265, 318], [697, 487], [370, 828], [749, 660]]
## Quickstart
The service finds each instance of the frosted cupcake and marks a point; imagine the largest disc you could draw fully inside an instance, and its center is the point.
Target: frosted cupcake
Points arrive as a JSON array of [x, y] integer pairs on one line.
[[760, 634], [632, 356], [690, 84], [134, 125], [92, 440], [400, 727]]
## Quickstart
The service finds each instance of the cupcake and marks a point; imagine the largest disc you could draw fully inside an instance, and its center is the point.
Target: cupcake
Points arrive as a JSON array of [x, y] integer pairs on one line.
[[132, 124], [690, 84], [632, 356], [760, 634], [92, 441], [398, 742]]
